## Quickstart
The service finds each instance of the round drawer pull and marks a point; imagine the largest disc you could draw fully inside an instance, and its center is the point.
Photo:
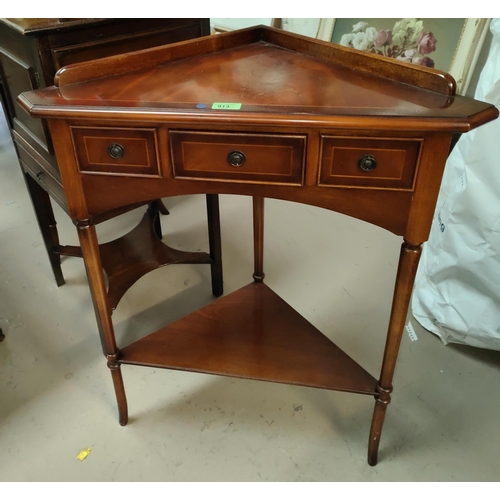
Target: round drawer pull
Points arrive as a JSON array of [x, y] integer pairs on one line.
[[367, 163], [116, 151], [236, 158]]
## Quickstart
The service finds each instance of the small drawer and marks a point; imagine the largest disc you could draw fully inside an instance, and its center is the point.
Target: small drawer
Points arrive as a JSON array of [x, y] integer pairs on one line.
[[43, 177], [115, 151], [368, 162], [269, 158]]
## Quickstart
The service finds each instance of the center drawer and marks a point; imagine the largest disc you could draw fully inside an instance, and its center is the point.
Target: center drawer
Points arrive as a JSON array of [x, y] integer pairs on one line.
[[238, 157]]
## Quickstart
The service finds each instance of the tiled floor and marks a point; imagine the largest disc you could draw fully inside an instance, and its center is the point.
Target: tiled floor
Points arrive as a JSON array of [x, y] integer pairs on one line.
[[56, 396]]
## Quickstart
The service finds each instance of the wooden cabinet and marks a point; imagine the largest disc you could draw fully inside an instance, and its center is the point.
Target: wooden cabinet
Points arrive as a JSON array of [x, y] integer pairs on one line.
[[31, 52]]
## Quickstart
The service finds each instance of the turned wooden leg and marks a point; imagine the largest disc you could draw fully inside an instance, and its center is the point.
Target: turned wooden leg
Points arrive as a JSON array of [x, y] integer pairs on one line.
[[47, 224], [92, 259], [258, 239], [121, 398], [408, 262], [214, 239]]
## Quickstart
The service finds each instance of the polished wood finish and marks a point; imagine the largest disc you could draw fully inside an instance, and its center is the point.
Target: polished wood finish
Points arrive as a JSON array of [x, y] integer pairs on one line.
[[31, 52], [258, 238], [345, 112], [405, 277], [276, 159], [252, 333], [139, 252], [137, 150], [421, 77], [395, 162], [385, 208], [343, 97]]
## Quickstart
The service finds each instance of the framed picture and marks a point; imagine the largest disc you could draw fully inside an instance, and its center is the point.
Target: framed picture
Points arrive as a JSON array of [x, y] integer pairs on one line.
[[313, 27], [222, 25], [451, 45]]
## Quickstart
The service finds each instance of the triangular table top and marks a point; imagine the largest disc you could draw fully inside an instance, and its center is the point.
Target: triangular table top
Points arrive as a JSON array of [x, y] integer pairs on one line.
[[260, 70]]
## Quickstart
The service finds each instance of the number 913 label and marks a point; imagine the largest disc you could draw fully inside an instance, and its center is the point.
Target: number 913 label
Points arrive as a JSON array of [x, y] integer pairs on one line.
[[226, 105]]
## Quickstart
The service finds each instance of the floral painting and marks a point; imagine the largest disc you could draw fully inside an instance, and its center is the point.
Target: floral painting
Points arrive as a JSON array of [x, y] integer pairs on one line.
[[412, 40], [406, 41]]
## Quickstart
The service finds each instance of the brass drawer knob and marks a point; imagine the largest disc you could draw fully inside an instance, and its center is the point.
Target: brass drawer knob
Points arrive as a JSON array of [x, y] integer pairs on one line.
[[116, 151], [367, 163], [236, 158]]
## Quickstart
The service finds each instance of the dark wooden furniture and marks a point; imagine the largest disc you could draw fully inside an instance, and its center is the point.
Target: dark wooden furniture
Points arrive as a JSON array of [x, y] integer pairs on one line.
[[31, 52], [263, 113]]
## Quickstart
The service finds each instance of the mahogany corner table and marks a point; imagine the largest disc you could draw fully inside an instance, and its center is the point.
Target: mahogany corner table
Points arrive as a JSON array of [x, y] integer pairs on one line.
[[262, 113]]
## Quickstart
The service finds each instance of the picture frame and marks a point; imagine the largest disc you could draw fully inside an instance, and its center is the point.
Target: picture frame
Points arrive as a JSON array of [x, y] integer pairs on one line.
[[314, 27], [223, 25], [466, 44]]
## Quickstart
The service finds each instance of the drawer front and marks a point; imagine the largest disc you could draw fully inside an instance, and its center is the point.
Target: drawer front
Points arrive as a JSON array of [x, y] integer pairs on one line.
[[23, 137], [42, 176], [269, 158], [368, 162], [115, 151]]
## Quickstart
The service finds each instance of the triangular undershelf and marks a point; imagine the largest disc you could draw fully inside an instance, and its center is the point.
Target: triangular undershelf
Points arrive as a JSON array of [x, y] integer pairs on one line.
[[252, 333]]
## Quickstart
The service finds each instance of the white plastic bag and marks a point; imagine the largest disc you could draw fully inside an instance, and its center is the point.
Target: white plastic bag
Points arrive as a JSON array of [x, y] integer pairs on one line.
[[457, 287]]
